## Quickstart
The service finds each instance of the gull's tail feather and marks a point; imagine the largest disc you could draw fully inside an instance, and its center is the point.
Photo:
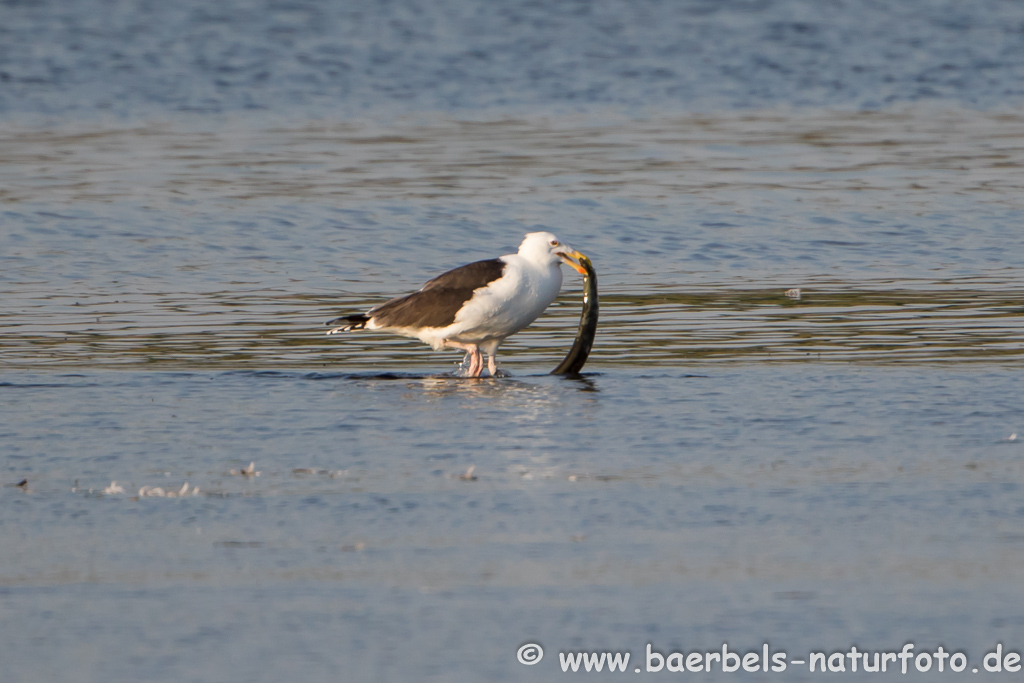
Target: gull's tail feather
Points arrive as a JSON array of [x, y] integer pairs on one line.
[[349, 322]]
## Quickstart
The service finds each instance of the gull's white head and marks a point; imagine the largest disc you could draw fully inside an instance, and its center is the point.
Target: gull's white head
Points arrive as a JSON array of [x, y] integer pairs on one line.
[[545, 249]]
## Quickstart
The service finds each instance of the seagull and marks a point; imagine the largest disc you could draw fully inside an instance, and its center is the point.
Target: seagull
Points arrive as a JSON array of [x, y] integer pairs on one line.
[[477, 306]]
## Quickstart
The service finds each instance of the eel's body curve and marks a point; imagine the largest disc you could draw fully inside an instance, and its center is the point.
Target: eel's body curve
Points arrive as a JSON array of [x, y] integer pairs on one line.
[[577, 356]]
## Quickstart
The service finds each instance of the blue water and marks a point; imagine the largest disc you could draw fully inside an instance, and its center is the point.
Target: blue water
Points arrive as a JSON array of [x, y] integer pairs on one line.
[[354, 59], [790, 504], [189, 190]]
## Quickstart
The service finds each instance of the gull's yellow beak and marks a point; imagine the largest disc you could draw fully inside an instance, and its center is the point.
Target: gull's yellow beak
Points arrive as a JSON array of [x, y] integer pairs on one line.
[[575, 259]]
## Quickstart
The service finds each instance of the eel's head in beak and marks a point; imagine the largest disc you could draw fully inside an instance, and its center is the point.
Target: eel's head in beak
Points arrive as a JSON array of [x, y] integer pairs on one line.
[[574, 259]]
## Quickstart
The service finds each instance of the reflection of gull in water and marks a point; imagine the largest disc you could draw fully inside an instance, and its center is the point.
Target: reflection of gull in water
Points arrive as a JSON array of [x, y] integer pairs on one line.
[[447, 385]]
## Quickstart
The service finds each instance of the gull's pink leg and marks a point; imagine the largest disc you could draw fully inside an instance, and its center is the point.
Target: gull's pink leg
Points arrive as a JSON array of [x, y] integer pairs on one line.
[[476, 365], [476, 359]]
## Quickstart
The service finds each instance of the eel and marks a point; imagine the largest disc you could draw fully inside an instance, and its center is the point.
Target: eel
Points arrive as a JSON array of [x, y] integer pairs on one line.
[[577, 356]]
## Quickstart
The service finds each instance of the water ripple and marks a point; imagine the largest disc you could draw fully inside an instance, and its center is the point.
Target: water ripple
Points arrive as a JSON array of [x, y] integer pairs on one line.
[[930, 322]]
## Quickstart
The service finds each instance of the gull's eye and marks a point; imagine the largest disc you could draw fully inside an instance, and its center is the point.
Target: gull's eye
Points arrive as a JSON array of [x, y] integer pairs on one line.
[[554, 243]]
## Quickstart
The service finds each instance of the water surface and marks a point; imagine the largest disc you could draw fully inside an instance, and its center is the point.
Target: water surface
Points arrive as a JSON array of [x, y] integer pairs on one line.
[[187, 193]]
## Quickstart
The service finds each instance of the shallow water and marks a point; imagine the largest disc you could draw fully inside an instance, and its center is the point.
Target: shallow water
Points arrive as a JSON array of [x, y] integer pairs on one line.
[[187, 194], [812, 506], [228, 248]]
